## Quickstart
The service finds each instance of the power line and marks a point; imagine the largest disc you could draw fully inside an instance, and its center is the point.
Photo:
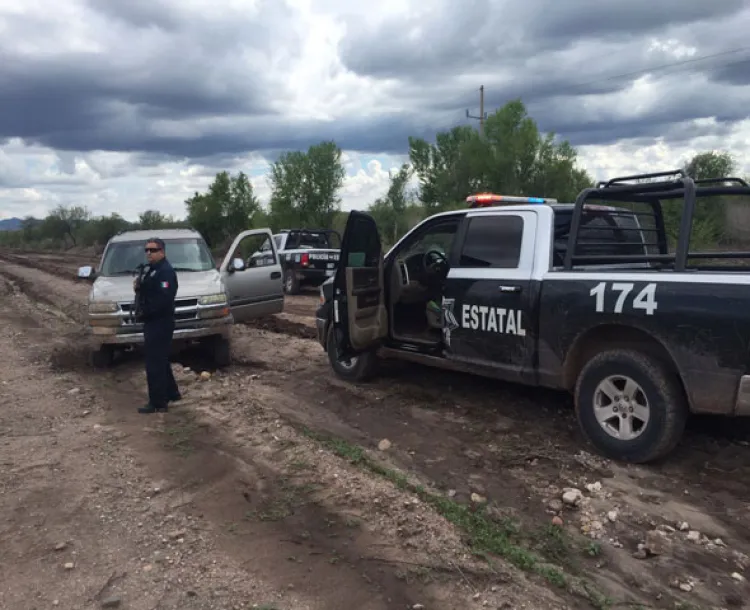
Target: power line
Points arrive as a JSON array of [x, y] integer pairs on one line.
[[666, 66]]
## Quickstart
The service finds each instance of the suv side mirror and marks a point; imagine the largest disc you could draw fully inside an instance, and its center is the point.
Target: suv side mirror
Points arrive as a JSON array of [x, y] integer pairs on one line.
[[237, 265], [87, 272]]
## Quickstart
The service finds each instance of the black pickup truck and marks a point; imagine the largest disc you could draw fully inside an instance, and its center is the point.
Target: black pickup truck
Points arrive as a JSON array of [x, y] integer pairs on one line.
[[308, 256], [590, 297]]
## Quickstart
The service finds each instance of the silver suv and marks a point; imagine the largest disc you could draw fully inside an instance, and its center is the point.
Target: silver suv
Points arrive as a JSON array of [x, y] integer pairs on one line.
[[208, 302]]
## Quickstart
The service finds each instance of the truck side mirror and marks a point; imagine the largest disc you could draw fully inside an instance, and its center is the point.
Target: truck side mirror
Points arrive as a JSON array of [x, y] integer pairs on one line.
[[87, 272]]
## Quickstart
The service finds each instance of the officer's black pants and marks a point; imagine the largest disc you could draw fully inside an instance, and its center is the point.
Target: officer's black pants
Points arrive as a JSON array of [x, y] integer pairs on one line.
[[162, 387]]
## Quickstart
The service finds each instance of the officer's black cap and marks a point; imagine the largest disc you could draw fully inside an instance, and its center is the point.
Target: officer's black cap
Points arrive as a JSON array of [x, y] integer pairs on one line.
[[158, 242]]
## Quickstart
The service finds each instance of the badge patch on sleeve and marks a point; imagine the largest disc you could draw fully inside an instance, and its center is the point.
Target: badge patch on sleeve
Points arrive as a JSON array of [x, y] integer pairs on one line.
[[165, 284]]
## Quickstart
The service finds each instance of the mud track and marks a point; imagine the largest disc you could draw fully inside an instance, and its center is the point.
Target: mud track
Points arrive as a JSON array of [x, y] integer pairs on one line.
[[463, 439]]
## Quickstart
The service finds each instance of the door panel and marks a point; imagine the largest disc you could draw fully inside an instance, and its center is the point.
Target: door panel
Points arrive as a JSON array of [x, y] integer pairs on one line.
[[489, 314], [360, 317], [255, 290]]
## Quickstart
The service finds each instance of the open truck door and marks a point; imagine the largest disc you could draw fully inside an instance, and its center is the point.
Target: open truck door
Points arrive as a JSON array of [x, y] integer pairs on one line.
[[360, 318], [252, 281]]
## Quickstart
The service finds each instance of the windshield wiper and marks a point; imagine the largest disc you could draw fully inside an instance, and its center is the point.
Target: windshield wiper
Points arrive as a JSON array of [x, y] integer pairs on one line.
[[186, 269], [124, 272]]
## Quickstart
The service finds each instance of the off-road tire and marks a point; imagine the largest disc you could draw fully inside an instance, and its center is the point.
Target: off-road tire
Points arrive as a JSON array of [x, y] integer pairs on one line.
[[291, 282], [666, 397], [220, 349], [364, 368], [103, 357]]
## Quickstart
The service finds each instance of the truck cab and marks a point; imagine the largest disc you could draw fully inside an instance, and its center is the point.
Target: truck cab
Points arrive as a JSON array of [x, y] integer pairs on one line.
[[582, 297], [208, 301]]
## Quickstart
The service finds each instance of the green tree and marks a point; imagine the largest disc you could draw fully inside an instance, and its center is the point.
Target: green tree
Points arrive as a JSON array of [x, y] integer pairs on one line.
[[152, 219], [390, 211], [512, 158], [226, 209], [305, 185]]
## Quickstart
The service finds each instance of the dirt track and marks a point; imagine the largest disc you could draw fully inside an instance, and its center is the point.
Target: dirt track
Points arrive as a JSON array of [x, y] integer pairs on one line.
[[271, 470]]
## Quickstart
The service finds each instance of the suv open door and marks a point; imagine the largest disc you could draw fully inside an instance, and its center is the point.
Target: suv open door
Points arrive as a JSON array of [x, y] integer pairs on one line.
[[253, 283], [360, 318]]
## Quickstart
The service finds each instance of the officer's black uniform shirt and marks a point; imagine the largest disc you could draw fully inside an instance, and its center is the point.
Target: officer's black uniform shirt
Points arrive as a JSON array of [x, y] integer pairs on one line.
[[158, 291]]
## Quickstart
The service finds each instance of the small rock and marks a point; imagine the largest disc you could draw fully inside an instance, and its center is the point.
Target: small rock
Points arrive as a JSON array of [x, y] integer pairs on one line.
[[74, 391], [557, 521], [55, 602], [572, 497], [61, 546], [594, 487], [738, 577], [418, 607], [111, 602], [694, 536], [69, 566], [684, 526], [719, 542], [477, 499], [555, 505], [686, 586], [612, 515], [384, 445], [477, 596], [205, 376], [147, 568], [640, 554], [451, 493], [657, 542]]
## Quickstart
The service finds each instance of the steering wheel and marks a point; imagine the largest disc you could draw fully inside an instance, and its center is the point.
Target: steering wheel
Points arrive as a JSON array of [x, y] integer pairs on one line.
[[435, 262]]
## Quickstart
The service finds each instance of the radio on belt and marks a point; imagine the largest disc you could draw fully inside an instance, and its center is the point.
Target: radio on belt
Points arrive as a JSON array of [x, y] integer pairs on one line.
[[483, 200]]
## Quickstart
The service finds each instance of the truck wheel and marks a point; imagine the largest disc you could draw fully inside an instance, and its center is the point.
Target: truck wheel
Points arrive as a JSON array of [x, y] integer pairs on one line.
[[221, 352], [103, 357], [358, 368], [291, 283], [630, 406]]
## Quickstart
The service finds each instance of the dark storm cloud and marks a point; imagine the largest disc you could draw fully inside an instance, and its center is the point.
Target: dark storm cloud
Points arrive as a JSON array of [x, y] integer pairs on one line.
[[602, 18], [173, 82]]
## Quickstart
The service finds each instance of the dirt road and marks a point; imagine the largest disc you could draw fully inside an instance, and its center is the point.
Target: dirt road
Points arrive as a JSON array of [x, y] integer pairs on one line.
[[272, 489]]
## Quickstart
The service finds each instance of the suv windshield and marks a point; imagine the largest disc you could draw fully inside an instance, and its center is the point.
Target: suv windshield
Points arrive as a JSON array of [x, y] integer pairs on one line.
[[189, 254]]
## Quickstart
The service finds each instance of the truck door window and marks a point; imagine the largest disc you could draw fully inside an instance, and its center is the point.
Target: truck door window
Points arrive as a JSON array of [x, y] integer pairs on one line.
[[364, 249], [493, 242]]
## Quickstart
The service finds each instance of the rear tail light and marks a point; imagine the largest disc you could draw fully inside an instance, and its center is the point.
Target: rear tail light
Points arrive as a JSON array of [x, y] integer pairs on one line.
[[305, 260]]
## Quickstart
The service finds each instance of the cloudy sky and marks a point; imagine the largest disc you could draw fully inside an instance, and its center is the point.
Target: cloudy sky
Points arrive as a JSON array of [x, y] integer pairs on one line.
[[124, 105]]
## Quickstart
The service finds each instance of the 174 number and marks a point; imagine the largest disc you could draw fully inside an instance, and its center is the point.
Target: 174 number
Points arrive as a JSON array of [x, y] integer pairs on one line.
[[645, 299]]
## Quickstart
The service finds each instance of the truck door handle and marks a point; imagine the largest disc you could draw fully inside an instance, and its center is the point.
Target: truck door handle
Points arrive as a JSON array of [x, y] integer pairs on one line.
[[275, 275], [509, 288]]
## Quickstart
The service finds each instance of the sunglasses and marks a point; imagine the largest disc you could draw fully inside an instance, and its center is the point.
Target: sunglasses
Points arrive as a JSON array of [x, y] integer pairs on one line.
[[152, 250]]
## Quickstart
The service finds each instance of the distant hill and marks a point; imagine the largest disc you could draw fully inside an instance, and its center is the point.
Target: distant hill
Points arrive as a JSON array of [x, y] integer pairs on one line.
[[10, 224]]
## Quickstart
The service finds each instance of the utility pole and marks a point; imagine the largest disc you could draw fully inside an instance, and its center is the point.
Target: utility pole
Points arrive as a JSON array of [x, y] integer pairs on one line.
[[482, 114]]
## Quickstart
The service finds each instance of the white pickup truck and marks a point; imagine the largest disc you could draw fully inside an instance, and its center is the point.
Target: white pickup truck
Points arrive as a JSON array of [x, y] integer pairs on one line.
[[209, 299]]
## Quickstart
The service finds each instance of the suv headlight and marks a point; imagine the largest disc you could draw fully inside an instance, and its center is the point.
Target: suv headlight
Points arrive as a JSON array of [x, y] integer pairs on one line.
[[103, 307], [213, 299]]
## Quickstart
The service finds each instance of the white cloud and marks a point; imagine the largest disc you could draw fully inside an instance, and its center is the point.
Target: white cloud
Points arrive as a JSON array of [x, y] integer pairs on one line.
[[190, 78], [107, 182]]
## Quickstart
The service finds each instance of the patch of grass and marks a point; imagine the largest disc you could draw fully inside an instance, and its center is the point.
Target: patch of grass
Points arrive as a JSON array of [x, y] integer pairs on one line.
[[179, 435], [554, 543], [284, 505], [487, 536]]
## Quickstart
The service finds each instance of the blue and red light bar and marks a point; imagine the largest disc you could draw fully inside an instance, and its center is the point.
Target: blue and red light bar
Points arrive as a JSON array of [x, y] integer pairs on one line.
[[483, 200]]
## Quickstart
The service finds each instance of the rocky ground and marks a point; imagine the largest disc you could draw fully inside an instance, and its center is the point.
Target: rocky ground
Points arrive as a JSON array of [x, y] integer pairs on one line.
[[275, 485]]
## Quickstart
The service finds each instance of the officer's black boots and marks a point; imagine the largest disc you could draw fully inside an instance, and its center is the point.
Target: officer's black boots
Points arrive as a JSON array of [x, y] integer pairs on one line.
[[149, 408]]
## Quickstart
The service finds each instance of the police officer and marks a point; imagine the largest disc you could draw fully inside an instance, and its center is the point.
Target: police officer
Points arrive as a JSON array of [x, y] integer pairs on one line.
[[157, 292]]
